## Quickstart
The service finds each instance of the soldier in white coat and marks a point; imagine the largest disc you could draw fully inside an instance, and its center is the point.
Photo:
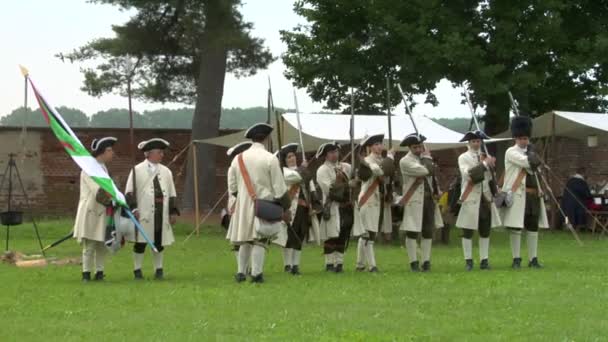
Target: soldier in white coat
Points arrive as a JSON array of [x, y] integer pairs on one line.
[[336, 223], [229, 211], [421, 214], [522, 183], [302, 193], [256, 175], [371, 199], [152, 195], [94, 208], [478, 211]]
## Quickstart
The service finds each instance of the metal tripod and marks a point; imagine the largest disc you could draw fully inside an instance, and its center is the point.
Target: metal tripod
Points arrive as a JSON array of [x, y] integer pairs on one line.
[[9, 172]]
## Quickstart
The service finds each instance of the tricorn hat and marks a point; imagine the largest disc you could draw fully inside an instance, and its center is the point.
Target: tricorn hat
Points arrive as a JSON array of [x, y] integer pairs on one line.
[[153, 144], [471, 135], [327, 147], [98, 146], [260, 130], [413, 139], [238, 148], [372, 139]]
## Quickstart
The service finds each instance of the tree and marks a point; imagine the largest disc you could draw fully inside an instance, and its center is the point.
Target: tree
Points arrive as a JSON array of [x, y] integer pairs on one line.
[[72, 116], [182, 51], [550, 54], [169, 118], [117, 118]]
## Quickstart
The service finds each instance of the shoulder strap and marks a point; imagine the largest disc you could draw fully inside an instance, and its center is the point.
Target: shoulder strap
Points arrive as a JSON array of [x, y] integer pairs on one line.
[[293, 190], [370, 191], [467, 191], [246, 178], [518, 180], [411, 190]]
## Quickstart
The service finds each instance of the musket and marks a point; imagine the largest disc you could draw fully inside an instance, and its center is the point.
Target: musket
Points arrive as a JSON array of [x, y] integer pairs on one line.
[[269, 113], [295, 100], [409, 113], [494, 184]]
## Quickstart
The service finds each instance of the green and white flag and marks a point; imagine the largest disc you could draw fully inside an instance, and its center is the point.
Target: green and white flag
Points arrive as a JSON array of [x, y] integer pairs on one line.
[[75, 149]]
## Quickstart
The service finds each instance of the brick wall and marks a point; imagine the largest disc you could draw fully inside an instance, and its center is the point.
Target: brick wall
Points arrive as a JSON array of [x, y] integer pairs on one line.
[[51, 178]]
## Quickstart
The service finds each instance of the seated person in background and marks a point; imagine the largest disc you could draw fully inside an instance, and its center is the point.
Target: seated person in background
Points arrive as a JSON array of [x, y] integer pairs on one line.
[[575, 198]]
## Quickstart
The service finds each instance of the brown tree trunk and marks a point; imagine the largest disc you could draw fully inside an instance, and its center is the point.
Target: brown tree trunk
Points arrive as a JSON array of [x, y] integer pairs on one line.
[[207, 111]]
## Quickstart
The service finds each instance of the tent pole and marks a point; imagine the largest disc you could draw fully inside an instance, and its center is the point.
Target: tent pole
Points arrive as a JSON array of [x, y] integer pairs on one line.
[[196, 204]]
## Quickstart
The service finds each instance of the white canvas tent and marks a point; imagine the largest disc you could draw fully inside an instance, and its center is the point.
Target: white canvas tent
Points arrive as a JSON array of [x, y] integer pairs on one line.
[[577, 125], [320, 128]]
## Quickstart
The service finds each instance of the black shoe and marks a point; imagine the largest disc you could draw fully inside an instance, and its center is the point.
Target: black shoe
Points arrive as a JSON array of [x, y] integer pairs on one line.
[[374, 269], [360, 268], [484, 265], [86, 277], [534, 263], [415, 266], [330, 268], [159, 275], [295, 270], [258, 278], [287, 268], [99, 275], [516, 263], [426, 266], [468, 264], [138, 275], [240, 277], [339, 268]]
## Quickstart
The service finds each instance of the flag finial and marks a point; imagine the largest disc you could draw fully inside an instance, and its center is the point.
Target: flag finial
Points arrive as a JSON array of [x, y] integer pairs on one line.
[[24, 71]]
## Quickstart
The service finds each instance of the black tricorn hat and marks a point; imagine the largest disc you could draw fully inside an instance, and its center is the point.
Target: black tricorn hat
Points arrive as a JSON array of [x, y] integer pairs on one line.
[[260, 130], [238, 148], [373, 139], [98, 146], [471, 135], [153, 144], [521, 126], [327, 147], [413, 139], [286, 149]]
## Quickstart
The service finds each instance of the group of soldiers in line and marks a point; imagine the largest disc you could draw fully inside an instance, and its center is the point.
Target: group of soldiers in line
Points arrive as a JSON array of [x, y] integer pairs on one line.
[[332, 204], [340, 201]]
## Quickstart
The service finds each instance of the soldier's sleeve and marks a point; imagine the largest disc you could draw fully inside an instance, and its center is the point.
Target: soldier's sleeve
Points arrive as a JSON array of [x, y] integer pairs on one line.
[[518, 159], [129, 196], [324, 180], [232, 185], [173, 209], [292, 177], [411, 169], [103, 198], [278, 182]]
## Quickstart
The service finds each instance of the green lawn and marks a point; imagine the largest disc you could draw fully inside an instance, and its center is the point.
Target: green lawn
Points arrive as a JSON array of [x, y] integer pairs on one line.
[[200, 301]]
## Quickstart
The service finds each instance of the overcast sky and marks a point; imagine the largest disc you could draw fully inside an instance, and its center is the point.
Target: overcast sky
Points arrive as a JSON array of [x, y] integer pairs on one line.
[[33, 31]]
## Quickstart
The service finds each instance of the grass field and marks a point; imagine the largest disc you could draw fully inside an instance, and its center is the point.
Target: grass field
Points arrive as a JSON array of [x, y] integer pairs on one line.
[[566, 301]]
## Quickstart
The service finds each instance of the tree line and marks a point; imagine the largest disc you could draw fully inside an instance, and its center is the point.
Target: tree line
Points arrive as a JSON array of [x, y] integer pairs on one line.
[[231, 118]]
